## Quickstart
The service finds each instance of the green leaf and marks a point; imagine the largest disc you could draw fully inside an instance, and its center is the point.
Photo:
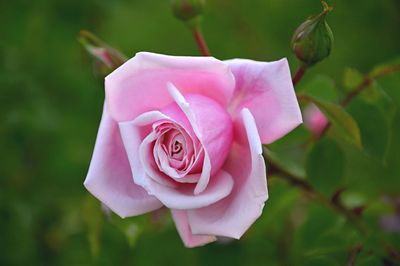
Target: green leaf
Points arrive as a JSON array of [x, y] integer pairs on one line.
[[325, 166], [390, 85], [374, 127], [392, 182], [322, 87], [93, 218], [344, 122], [323, 234], [375, 95], [284, 162], [351, 78], [380, 67]]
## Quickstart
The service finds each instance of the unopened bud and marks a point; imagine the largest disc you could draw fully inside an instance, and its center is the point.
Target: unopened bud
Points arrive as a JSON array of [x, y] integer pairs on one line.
[[107, 58], [312, 41], [315, 120], [189, 11]]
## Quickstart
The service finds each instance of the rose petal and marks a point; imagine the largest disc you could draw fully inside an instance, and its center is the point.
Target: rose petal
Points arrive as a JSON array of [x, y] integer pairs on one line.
[[110, 178], [132, 133], [138, 85], [182, 225], [232, 216], [137, 136], [182, 197], [266, 89], [179, 196], [147, 160], [212, 126]]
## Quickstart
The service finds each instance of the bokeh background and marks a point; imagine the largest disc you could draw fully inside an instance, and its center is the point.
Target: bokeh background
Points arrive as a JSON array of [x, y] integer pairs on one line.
[[51, 104]]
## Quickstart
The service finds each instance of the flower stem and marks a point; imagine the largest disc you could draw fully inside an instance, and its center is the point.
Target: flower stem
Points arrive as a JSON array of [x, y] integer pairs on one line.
[[299, 75], [368, 79], [198, 36], [353, 255], [306, 187]]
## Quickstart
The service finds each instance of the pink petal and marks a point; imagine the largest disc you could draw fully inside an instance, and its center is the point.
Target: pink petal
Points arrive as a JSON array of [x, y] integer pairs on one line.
[[232, 216], [146, 157], [266, 89], [139, 84], [133, 133], [137, 136], [212, 126], [178, 196], [183, 198], [182, 225], [110, 178]]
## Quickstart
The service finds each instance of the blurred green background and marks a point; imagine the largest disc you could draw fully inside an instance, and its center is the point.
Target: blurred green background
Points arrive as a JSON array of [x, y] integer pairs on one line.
[[51, 104]]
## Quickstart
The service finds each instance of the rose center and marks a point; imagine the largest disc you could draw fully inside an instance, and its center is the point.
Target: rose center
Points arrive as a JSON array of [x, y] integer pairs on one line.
[[176, 148]]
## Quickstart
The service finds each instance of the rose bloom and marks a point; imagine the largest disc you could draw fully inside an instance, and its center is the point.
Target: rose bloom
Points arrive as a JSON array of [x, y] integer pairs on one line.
[[186, 133]]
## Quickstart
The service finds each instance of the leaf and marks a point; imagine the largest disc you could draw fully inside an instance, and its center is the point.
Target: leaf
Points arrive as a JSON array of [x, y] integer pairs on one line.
[[375, 95], [325, 166], [93, 217], [351, 78], [392, 181], [284, 162], [374, 127], [344, 122], [321, 86], [379, 68], [323, 234], [390, 85]]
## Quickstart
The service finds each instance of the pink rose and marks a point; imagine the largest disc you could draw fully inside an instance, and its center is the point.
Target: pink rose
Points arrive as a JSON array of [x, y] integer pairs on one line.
[[315, 120], [186, 133]]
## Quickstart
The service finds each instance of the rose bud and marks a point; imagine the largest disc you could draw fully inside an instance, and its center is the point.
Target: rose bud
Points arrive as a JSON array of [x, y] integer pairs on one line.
[[188, 10], [107, 58], [312, 40], [315, 120]]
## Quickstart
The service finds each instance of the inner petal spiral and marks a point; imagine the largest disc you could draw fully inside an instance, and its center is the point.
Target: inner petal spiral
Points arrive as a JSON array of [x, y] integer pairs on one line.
[[176, 152]]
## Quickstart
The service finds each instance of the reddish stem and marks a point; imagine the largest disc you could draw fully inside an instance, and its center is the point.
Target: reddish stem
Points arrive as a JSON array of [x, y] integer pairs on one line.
[[198, 35], [299, 75]]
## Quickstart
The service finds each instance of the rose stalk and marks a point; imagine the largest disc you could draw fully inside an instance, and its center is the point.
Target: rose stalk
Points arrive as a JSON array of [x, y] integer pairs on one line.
[[190, 12]]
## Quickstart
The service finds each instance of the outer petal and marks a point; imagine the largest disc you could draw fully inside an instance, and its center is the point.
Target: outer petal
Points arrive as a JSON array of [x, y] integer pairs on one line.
[[110, 177], [183, 227], [139, 84], [266, 89], [232, 216]]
